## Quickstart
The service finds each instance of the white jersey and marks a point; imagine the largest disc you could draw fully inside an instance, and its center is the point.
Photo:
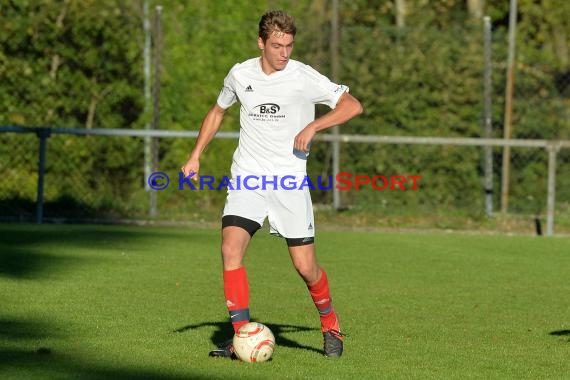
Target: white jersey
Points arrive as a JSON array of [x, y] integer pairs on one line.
[[274, 109]]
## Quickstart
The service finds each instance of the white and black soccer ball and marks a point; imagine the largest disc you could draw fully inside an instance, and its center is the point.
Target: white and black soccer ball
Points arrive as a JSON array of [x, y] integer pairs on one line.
[[254, 342]]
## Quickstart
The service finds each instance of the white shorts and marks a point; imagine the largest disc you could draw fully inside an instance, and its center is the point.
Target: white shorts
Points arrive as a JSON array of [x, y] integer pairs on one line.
[[289, 212]]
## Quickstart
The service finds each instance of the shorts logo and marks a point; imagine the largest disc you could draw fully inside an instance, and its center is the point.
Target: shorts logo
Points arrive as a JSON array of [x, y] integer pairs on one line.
[[310, 226]]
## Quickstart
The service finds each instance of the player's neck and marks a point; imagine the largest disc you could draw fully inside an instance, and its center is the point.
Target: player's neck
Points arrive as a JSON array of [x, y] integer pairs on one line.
[[266, 67]]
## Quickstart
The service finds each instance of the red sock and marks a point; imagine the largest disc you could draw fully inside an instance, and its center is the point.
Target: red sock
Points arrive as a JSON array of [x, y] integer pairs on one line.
[[320, 294], [236, 290]]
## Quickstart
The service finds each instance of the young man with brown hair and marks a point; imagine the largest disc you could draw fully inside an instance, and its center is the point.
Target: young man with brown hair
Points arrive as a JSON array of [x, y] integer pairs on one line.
[[277, 119]]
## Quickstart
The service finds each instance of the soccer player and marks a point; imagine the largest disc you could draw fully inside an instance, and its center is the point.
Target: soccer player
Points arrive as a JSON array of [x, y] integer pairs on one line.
[[277, 118]]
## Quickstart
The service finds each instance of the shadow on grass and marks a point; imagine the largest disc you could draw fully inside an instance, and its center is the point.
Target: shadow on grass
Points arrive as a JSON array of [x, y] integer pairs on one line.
[[57, 365], [20, 330], [561, 333], [30, 251], [22, 263], [65, 206], [26, 250], [21, 356], [224, 330]]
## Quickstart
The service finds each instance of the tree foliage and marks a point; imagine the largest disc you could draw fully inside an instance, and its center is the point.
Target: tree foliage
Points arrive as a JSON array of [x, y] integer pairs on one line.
[[72, 63]]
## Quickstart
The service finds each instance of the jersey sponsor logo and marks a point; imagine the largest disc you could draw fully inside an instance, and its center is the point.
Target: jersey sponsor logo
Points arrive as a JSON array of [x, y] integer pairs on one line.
[[249, 88], [266, 108], [267, 113]]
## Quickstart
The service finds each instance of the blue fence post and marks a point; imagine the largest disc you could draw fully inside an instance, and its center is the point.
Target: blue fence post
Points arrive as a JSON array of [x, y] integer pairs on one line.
[[43, 134]]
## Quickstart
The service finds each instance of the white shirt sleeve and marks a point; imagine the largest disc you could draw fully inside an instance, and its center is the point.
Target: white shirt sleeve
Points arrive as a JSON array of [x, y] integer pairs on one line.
[[228, 95], [320, 90]]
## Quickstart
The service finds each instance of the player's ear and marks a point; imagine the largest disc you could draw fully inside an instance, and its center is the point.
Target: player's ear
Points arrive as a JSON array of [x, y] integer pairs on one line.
[[260, 43]]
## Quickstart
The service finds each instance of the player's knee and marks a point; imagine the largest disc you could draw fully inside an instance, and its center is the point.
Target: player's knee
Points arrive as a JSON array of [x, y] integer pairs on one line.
[[308, 271], [230, 251], [232, 255]]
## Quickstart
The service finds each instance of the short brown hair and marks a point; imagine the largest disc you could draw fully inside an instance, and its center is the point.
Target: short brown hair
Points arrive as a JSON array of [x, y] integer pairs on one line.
[[276, 21]]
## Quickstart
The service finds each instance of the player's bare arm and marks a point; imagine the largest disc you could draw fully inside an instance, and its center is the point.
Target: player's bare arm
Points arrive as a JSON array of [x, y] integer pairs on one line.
[[346, 108], [210, 126]]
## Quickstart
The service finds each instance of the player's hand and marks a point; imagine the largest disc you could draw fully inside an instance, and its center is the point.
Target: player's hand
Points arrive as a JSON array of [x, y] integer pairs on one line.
[[303, 139], [191, 166]]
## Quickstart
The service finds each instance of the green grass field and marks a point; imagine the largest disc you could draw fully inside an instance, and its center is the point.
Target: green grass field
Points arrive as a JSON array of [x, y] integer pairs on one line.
[[98, 302]]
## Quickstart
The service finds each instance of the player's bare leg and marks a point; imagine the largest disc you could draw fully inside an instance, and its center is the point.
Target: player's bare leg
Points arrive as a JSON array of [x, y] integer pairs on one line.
[[305, 262], [235, 241]]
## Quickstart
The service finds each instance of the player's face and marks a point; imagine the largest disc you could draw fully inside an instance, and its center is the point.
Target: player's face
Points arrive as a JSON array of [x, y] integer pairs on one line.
[[275, 52]]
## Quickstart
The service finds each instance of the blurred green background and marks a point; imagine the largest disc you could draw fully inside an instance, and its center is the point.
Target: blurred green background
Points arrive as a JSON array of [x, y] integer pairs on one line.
[[79, 64]]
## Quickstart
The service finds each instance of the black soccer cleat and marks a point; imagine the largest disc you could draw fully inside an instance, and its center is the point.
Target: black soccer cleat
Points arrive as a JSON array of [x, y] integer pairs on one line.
[[226, 350], [333, 343]]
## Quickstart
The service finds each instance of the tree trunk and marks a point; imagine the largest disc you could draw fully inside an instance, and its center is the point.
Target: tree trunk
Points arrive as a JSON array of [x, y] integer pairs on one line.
[[560, 46], [475, 8], [95, 97], [401, 12]]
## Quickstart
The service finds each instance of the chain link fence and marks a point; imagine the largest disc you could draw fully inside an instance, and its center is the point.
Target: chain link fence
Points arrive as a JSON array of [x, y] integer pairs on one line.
[[407, 187], [99, 175]]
